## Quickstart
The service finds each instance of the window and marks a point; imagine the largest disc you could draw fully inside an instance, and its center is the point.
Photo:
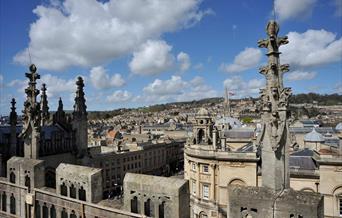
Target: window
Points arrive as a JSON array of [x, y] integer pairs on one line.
[[193, 187], [205, 191], [12, 177], [340, 206], [205, 169], [193, 166]]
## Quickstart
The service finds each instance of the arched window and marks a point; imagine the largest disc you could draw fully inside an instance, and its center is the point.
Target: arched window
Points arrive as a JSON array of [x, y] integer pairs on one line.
[[161, 209], [72, 191], [64, 189], [28, 183], [147, 207], [12, 204], [134, 204], [73, 215], [200, 136], [4, 202], [12, 177], [37, 210], [82, 194], [64, 214], [45, 211], [53, 211], [237, 182]]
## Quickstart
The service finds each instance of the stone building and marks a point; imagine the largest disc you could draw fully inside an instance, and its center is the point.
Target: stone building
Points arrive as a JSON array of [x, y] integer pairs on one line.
[[156, 196], [235, 182]]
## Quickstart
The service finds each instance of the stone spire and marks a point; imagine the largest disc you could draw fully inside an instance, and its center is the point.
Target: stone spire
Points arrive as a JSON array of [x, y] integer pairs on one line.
[[31, 117], [44, 106], [80, 108], [59, 116], [80, 122], [274, 139], [13, 122]]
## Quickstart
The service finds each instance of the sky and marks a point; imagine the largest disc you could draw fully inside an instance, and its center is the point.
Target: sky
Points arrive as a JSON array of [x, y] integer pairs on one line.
[[134, 53]]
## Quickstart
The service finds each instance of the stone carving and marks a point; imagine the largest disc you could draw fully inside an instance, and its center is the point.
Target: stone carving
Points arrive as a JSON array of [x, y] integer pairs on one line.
[[273, 139]]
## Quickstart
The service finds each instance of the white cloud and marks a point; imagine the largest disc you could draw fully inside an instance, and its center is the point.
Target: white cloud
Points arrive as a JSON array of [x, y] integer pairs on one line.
[[89, 32], [152, 58], [1, 81], [199, 67], [247, 59], [289, 9], [183, 61], [176, 89], [172, 86], [242, 88], [300, 75], [101, 80], [119, 96], [311, 48]]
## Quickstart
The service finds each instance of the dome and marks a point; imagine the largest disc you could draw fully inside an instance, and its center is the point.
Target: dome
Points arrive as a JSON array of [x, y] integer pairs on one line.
[[233, 122], [203, 112], [339, 127], [313, 136]]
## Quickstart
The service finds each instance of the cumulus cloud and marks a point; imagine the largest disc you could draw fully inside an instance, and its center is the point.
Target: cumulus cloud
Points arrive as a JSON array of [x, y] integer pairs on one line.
[[172, 86], [176, 89], [90, 32], [290, 9], [101, 80], [300, 75], [242, 88], [247, 59], [183, 61], [311, 48], [152, 58], [119, 96]]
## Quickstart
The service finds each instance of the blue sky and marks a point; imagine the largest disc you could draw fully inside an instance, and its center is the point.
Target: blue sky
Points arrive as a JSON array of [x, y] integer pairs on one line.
[[138, 52]]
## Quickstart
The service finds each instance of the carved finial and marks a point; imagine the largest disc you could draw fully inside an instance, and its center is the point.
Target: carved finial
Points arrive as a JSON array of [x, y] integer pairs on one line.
[[44, 106], [13, 104], [80, 106], [13, 114]]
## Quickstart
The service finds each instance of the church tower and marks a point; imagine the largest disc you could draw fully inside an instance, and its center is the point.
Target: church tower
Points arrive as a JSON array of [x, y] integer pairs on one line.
[[31, 117], [44, 106], [13, 122], [274, 138], [80, 124]]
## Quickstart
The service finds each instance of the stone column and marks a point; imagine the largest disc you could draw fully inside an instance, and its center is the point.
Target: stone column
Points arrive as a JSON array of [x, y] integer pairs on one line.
[[212, 188], [198, 180], [156, 207], [142, 204]]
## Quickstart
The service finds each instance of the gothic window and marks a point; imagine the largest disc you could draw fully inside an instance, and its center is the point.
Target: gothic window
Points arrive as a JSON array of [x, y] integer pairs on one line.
[[64, 189], [53, 211], [12, 177], [205, 191], [45, 211], [134, 204], [147, 207], [161, 210], [72, 191], [64, 214], [37, 210], [12, 204], [4, 202], [82, 194], [73, 215], [28, 183]]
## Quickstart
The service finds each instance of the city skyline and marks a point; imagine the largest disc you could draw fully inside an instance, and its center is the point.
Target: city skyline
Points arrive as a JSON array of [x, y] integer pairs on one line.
[[187, 50]]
